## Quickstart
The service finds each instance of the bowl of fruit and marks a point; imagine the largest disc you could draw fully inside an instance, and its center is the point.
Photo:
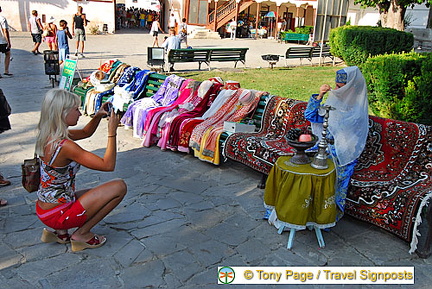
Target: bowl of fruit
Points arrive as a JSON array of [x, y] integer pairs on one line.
[[300, 140]]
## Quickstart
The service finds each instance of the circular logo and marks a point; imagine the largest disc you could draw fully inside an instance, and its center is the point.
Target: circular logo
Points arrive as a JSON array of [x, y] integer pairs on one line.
[[248, 274], [226, 275]]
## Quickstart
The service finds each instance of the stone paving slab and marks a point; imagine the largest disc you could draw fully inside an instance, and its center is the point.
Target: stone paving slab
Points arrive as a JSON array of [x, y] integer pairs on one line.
[[181, 217]]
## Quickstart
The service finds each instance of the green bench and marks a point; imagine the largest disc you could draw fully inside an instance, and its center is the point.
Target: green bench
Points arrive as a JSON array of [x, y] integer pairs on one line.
[[307, 52], [154, 81], [325, 52], [295, 37], [229, 54], [299, 52], [207, 55], [190, 55]]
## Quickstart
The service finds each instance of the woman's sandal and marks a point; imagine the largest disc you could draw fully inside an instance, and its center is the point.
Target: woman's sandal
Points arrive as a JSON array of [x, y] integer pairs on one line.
[[4, 182], [51, 237], [95, 242]]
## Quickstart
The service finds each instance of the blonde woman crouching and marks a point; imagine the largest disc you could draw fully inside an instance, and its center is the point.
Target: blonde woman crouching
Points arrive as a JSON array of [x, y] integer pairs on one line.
[[59, 205]]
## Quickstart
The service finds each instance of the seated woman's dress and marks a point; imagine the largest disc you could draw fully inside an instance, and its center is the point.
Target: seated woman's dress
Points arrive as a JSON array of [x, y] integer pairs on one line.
[[347, 126]]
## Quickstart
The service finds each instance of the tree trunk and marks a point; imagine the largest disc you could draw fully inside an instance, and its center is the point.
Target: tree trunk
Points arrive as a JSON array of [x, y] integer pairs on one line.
[[393, 16]]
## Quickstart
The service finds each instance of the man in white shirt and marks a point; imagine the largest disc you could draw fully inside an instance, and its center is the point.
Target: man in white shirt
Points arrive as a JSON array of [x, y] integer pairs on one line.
[[172, 42], [233, 27], [35, 26], [5, 43], [172, 21]]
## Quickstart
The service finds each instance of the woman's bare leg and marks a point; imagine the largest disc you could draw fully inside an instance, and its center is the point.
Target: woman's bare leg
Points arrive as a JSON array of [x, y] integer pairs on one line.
[[98, 202]]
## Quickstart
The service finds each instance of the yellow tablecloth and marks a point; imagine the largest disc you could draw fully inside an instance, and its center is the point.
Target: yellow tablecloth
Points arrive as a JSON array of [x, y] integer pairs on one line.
[[301, 195]]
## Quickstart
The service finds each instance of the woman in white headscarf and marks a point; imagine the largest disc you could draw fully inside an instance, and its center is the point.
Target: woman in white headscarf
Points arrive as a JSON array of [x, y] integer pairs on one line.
[[347, 124]]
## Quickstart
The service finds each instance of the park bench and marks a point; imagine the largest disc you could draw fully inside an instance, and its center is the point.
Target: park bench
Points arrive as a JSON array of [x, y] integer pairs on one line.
[[392, 183], [228, 54], [393, 195], [154, 81], [295, 37], [207, 55], [190, 55], [323, 52], [298, 52]]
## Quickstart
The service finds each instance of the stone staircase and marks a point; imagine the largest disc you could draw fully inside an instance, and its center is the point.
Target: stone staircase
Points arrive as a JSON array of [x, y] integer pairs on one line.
[[203, 33]]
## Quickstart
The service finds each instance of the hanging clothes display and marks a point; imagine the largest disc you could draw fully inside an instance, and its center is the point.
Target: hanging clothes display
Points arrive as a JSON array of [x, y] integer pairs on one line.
[[221, 114], [150, 133], [206, 96], [123, 95], [137, 112], [164, 125], [209, 147], [189, 125], [125, 79]]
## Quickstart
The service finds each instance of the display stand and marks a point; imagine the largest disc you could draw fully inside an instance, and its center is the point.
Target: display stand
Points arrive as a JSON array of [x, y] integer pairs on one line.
[[70, 66], [301, 197]]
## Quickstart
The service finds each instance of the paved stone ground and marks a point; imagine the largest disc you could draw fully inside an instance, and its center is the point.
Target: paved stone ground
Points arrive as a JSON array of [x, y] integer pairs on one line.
[[181, 218]]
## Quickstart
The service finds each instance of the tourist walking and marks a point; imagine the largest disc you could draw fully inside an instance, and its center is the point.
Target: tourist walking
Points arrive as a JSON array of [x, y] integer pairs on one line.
[[233, 28], [50, 34], [5, 43], [35, 27], [79, 21], [172, 22], [62, 40], [183, 32], [154, 30], [5, 111]]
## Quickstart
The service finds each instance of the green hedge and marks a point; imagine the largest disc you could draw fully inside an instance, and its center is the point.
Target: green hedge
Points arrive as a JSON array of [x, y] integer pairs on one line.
[[400, 86], [355, 44]]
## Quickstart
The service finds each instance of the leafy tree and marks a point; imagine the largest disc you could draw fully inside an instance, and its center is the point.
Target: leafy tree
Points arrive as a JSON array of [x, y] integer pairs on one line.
[[392, 12]]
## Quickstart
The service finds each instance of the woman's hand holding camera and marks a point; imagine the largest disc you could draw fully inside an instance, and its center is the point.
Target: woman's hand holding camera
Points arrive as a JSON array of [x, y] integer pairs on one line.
[[105, 110], [113, 123], [114, 119]]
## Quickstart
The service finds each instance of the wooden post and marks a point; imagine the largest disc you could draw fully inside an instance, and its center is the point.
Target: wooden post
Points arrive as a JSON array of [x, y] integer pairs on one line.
[[258, 16], [215, 15]]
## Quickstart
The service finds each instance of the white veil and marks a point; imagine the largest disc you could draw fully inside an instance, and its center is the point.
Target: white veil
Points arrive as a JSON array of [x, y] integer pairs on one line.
[[349, 122]]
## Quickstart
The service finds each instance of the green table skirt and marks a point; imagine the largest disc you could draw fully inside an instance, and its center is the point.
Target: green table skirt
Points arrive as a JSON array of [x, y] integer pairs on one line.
[[301, 195]]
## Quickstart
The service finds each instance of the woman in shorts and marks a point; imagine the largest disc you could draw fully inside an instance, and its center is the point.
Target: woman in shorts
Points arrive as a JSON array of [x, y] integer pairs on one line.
[[50, 34], [60, 206]]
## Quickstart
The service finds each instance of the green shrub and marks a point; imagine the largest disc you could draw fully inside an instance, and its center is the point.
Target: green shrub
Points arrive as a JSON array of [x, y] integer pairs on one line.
[[299, 30], [355, 44], [399, 86], [304, 30]]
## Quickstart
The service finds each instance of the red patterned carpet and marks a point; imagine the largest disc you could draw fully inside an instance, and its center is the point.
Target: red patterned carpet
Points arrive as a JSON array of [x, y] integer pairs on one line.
[[392, 182], [393, 176]]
